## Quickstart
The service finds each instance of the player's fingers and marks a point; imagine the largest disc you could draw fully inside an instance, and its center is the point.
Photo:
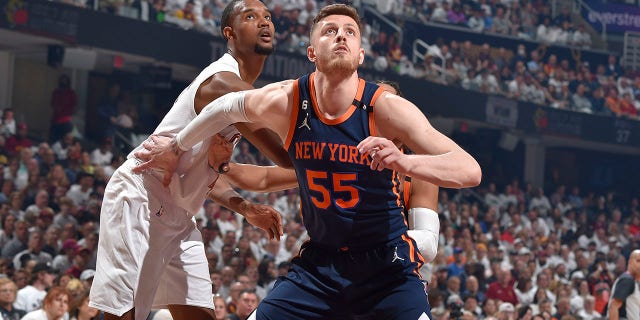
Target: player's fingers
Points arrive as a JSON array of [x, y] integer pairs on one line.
[[141, 167], [148, 145], [271, 234], [279, 224], [143, 155]]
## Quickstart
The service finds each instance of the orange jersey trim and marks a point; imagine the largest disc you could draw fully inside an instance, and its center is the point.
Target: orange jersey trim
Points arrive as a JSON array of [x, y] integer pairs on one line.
[[342, 118], [294, 115], [413, 252]]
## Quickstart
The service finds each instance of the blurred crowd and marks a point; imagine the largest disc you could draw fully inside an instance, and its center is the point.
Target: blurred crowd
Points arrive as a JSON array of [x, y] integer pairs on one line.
[[532, 76], [504, 250]]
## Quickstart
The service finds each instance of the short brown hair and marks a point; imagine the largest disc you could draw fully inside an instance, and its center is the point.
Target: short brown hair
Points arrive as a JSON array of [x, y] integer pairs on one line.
[[54, 293], [336, 9]]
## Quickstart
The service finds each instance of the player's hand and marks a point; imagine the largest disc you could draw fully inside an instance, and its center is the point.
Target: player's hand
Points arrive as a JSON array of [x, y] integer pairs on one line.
[[383, 152], [265, 218], [220, 151], [160, 153]]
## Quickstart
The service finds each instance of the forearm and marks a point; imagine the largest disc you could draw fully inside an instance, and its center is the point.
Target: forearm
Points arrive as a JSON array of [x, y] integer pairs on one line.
[[214, 117], [261, 178], [455, 169], [223, 194]]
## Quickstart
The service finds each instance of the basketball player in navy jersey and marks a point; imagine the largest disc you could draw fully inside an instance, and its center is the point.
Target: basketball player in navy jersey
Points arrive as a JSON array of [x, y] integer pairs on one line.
[[341, 134], [420, 197]]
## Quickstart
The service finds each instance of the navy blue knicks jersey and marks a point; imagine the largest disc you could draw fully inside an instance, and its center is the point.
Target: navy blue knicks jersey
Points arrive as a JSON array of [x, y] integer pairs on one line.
[[344, 202]]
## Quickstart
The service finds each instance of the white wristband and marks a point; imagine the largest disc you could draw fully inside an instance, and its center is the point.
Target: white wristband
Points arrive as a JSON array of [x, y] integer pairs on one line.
[[214, 117]]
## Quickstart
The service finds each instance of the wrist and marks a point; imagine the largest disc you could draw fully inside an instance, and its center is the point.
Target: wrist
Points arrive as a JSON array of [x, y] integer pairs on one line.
[[243, 206], [175, 147]]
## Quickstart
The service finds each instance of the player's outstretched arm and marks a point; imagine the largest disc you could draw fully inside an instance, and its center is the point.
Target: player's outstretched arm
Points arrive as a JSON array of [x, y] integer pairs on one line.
[[259, 215], [261, 178], [438, 159], [270, 102]]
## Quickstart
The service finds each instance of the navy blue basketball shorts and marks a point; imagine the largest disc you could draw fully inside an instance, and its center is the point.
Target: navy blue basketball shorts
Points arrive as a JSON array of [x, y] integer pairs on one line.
[[375, 283]]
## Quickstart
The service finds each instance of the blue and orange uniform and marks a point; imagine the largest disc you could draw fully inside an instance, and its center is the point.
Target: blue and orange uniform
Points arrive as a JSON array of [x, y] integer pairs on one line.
[[359, 262]]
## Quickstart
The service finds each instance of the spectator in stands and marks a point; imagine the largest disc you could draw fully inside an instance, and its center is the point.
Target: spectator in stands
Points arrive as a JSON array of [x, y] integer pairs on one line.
[[247, 301], [476, 21], [54, 305], [613, 68], [19, 240], [502, 289], [101, 155], [500, 22], [80, 309], [33, 251], [18, 141], [63, 104], [79, 192], [31, 297], [440, 13], [187, 12], [456, 15], [8, 291], [581, 38], [8, 123], [63, 261], [220, 307], [207, 22], [108, 112]]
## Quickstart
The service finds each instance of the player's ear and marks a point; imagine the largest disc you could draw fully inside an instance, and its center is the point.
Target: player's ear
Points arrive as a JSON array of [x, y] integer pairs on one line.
[[311, 53], [228, 33], [361, 56]]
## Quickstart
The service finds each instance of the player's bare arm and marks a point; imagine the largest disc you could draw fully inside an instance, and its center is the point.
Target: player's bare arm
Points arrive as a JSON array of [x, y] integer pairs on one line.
[[439, 160], [259, 215], [265, 140], [272, 102], [261, 178]]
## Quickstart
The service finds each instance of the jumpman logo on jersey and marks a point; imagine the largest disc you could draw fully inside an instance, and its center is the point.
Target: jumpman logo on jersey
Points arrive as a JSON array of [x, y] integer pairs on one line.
[[304, 123], [395, 255]]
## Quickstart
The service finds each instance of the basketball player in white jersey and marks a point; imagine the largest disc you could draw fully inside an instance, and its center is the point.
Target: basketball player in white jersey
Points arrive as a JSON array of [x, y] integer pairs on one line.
[[150, 253]]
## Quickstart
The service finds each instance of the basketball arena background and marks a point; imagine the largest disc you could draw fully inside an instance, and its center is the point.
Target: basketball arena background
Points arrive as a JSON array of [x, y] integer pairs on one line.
[[536, 142]]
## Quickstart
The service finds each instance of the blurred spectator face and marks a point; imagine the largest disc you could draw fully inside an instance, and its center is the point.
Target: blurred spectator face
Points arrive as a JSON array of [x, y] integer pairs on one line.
[[227, 275], [489, 307], [8, 291], [220, 307], [246, 303], [216, 280], [21, 231], [57, 306], [20, 279]]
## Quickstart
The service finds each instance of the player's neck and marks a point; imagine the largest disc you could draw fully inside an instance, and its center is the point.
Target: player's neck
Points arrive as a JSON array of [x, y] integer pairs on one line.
[[335, 93], [249, 64]]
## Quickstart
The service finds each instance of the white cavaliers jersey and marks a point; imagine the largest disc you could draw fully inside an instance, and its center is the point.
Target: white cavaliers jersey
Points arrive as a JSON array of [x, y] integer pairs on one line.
[[192, 177]]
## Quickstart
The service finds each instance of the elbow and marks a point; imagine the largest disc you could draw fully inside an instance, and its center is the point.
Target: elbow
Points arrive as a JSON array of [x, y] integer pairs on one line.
[[474, 176], [470, 176]]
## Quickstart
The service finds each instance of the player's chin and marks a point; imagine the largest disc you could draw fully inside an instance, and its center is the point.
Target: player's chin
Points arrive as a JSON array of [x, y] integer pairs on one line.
[[264, 49]]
